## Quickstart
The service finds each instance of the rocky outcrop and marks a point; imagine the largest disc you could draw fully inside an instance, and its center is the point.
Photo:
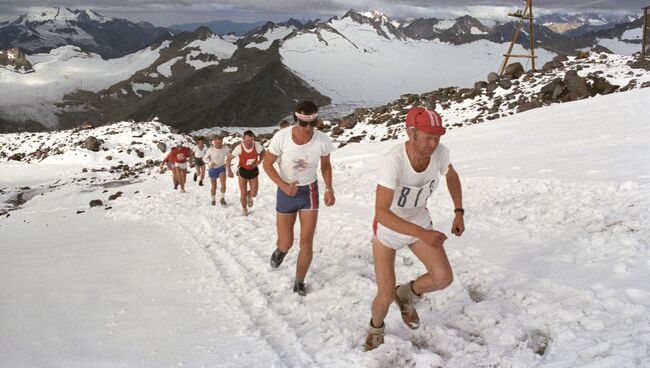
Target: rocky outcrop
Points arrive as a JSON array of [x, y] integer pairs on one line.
[[15, 59], [91, 144], [513, 71]]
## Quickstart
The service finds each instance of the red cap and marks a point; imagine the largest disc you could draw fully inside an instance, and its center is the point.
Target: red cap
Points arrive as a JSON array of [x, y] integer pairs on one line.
[[426, 120]]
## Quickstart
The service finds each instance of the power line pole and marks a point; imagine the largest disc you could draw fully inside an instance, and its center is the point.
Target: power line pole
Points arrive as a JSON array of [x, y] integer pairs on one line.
[[525, 15]]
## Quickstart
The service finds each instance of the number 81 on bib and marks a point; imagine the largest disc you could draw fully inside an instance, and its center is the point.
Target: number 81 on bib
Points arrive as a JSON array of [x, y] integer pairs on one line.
[[414, 197]]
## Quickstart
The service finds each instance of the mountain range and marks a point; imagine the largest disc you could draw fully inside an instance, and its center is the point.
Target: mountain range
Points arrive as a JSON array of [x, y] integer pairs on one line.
[[198, 79], [50, 28]]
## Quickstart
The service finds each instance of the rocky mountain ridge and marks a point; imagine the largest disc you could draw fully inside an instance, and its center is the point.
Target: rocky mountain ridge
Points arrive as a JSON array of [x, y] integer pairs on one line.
[[50, 28]]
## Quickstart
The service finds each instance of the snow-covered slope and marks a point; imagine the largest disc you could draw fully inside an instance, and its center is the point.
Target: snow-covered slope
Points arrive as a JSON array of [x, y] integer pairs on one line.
[[352, 62], [552, 270], [61, 71]]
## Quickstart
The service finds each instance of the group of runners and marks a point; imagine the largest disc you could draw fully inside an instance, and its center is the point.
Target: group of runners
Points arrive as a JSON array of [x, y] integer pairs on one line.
[[218, 160], [408, 175]]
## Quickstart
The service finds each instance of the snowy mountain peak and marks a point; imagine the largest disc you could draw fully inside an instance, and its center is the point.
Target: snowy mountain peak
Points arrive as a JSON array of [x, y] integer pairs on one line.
[[376, 15], [384, 26], [577, 24], [373, 16], [54, 14], [58, 15]]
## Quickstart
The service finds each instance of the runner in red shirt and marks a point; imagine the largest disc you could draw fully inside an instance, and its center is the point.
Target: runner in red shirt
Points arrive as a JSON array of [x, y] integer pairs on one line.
[[250, 155], [178, 156]]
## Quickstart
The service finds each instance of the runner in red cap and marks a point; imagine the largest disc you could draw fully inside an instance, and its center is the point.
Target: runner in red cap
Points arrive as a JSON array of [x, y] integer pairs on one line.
[[408, 175]]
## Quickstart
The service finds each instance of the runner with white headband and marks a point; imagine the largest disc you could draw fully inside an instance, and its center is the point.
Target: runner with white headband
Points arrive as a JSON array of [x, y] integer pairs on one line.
[[298, 150]]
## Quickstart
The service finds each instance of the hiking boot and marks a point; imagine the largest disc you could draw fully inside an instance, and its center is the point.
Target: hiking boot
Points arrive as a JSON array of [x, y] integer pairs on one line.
[[405, 298], [175, 186], [249, 200], [277, 257], [194, 176], [200, 183], [222, 201], [375, 337], [214, 203], [299, 287]]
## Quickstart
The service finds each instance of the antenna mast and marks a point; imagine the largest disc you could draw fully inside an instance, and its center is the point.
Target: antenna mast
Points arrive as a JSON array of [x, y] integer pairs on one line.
[[525, 15]]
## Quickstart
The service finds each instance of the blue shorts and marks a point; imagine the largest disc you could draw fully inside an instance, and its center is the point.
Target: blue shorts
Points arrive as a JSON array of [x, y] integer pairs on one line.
[[305, 199], [214, 172]]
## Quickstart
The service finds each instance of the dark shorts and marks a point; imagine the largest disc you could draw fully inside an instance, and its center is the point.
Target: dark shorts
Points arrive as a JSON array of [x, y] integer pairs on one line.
[[214, 172], [249, 174], [305, 199], [198, 161]]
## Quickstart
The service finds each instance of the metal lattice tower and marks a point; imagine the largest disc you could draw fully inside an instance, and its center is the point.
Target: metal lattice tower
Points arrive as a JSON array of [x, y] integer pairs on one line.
[[525, 15]]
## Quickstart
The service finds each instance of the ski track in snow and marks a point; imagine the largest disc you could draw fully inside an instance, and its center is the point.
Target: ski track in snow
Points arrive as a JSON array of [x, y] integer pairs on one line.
[[494, 314]]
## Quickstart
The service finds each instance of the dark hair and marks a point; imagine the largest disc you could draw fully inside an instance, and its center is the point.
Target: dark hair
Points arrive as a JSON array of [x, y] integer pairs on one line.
[[284, 123], [306, 107], [249, 133], [200, 139]]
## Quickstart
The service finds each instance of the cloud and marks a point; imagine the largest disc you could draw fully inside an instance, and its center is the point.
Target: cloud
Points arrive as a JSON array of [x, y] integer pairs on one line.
[[165, 12]]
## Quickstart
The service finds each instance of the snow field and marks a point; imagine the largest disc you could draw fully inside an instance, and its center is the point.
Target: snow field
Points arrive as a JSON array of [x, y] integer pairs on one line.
[[551, 271]]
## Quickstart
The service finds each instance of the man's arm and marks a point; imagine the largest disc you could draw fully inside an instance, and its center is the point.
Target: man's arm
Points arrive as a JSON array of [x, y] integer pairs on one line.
[[228, 164], [290, 188], [456, 193], [165, 160], [261, 156], [326, 170]]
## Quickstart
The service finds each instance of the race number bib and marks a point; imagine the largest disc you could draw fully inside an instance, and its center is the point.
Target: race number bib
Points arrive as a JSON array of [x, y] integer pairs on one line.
[[251, 161], [413, 197]]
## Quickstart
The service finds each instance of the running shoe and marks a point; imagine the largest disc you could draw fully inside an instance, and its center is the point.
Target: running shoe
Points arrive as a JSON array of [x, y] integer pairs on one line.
[[277, 257], [407, 309], [194, 176], [375, 337], [249, 200], [222, 201], [299, 287]]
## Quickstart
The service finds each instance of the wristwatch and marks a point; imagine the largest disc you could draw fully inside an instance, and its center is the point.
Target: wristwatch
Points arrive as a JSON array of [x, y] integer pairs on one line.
[[329, 190], [459, 210]]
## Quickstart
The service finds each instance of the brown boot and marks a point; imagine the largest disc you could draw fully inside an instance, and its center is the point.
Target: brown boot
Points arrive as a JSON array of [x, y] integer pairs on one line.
[[375, 337], [405, 298]]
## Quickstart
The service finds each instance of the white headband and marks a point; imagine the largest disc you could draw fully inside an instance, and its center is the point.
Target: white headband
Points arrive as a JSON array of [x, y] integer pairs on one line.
[[306, 118]]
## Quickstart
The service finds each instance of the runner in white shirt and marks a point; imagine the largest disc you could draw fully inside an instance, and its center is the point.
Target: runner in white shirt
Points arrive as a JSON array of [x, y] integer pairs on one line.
[[250, 155], [408, 175], [199, 151], [298, 150], [215, 158]]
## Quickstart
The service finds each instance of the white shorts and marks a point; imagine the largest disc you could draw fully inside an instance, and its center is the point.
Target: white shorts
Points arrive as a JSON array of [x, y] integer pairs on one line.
[[393, 239], [182, 166]]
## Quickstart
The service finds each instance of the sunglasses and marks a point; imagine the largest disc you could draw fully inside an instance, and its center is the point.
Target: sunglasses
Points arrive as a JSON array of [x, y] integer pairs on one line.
[[312, 123]]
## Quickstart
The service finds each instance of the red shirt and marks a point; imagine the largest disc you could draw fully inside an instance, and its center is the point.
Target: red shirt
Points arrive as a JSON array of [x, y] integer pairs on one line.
[[248, 160], [179, 155]]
